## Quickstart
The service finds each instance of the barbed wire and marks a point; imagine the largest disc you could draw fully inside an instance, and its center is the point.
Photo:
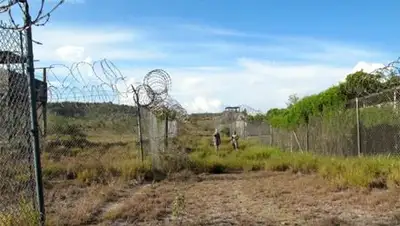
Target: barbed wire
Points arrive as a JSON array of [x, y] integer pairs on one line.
[[171, 109], [102, 81], [153, 90], [41, 18], [70, 83], [375, 87]]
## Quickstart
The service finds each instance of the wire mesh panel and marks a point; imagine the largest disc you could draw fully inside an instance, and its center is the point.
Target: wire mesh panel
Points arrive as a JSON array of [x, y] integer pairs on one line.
[[379, 123], [322, 135], [17, 184], [259, 130]]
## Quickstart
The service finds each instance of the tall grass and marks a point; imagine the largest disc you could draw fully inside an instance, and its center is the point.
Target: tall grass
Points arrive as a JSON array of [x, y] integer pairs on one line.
[[121, 163], [369, 172]]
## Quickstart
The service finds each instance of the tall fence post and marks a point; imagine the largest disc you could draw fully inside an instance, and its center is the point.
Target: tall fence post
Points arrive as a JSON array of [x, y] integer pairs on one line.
[[33, 113], [166, 129], [140, 132], [271, 138], [358, 127], [291, 142], [44, 104]]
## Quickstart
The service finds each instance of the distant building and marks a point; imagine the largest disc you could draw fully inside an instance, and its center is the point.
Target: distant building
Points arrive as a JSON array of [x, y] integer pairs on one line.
[[235, 120]]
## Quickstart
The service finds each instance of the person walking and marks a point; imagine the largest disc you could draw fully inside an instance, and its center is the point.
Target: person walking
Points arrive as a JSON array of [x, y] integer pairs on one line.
[[234, 140], [216, 139]]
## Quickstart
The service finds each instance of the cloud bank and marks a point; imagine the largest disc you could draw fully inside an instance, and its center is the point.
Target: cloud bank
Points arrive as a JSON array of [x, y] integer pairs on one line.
[[216, 69]]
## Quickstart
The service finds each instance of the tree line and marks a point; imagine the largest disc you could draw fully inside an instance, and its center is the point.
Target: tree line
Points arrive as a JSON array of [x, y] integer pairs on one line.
[[300, 110], [79, 109]]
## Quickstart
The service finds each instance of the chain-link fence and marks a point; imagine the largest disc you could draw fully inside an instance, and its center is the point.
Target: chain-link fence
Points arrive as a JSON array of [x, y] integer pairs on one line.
[[91, 126], [260, 130], [368, 125], [322, 135], [17, 200], [379, 123]]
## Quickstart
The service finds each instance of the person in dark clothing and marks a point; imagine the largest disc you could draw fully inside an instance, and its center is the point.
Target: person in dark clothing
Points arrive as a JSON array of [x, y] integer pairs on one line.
[[216, 139]]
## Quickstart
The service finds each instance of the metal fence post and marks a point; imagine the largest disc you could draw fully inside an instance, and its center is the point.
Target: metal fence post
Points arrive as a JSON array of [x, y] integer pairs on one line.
[[140, 132], [307, 136], [44, 106], [291, 142], [271, 138], [166, 129], [358, 128], [34, 119]]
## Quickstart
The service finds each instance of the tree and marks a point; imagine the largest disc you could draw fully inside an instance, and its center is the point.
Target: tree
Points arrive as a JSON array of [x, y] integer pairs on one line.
[[293, 99], [360, 84]]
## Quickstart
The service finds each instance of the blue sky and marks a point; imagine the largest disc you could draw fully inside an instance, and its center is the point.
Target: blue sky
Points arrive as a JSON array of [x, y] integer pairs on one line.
[[222, 53]]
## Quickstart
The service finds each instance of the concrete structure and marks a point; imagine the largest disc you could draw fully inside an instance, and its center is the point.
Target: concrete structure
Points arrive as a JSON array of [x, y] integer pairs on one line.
[[234, 119]]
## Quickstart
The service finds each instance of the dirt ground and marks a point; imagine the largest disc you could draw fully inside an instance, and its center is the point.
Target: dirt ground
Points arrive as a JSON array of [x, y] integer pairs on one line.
[[261, 198]]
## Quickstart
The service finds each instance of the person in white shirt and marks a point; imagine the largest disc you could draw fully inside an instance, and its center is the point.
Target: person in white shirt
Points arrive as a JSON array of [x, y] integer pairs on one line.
[[234, 140]]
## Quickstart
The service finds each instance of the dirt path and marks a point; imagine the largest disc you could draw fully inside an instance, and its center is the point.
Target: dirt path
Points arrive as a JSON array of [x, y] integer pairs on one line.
[[285, 199], [262, 198]]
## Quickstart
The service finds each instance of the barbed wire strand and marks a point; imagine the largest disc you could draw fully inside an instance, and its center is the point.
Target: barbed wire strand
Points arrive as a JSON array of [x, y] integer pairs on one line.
[[103, 81], [389, 78], [40, 19]]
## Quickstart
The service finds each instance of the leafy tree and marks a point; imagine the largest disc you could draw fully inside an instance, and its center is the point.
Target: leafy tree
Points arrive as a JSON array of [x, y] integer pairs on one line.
[[293, 99], [360, 84]]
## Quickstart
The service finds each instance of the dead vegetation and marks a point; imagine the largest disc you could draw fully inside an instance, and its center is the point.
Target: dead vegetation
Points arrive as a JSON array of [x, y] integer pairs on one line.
[[257, 198], [106, 184]]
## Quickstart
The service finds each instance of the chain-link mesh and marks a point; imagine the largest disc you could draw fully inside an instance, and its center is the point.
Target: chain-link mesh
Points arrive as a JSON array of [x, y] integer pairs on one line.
[[321, 135], [379, 123], [376, 129], [259, 130], [368, 125], [17, 186]]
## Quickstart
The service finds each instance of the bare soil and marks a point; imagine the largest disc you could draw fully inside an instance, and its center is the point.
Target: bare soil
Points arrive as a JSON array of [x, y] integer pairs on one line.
[[260, 198]]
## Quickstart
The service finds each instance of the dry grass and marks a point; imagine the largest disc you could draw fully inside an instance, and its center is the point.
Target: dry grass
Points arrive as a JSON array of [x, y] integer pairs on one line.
[[26, 216], [74, 204], [255, 198], [148, 204], [89, 185]]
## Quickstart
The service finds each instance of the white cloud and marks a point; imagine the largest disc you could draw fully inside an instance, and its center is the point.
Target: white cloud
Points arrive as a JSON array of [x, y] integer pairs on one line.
[[66, 44], [208, 78], [268, 85], [265, 86], [202, 104], [71, 53], [367, 67]]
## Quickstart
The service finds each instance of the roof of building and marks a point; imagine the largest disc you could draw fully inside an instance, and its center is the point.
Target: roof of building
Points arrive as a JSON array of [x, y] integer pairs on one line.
[[8, 57]]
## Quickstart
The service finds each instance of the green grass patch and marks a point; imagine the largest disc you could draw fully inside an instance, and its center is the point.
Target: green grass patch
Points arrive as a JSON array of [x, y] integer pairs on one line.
[[363, 172]]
